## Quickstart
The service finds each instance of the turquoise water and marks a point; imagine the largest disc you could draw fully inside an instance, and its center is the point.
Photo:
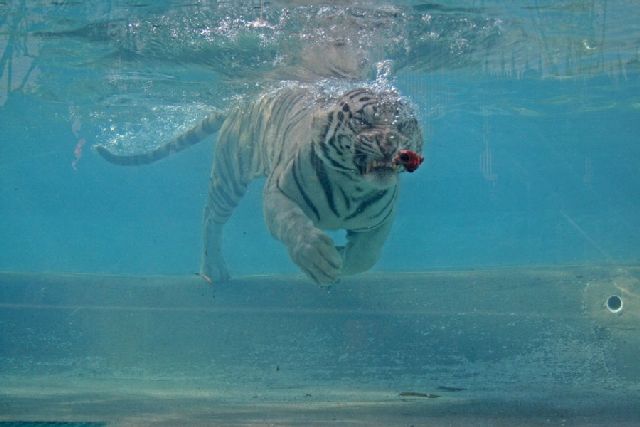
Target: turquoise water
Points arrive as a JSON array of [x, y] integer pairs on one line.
[[531, 117], [530, 113]]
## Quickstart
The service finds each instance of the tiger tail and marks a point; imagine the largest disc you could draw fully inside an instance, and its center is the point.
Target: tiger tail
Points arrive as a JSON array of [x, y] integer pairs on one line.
[[206, 127]]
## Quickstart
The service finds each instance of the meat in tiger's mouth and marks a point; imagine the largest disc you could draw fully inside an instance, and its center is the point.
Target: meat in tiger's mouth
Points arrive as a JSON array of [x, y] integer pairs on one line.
[[406, 160]]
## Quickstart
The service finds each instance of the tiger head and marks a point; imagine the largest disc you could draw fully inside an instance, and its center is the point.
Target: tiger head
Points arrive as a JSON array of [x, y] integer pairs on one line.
[[369, 134]]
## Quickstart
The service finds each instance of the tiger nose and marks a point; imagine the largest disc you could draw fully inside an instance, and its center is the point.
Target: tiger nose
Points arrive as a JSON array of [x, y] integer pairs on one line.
[[388, 144]]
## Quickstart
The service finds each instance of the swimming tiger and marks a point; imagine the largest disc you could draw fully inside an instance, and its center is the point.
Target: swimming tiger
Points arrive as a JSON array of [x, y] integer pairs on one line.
[[330, 162]]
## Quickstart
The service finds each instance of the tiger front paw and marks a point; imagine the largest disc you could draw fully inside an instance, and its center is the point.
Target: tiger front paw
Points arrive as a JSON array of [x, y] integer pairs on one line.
[[317, 256]]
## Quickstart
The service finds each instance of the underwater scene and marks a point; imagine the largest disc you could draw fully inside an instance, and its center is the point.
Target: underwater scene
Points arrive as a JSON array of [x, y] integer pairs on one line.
[[281, 212]]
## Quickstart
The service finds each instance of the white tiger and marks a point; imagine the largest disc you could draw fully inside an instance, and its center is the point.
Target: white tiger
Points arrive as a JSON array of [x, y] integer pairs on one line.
[[329, 162]]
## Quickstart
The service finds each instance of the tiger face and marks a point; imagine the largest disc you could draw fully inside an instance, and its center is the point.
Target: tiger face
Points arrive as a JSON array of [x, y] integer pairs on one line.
[[366, 132]]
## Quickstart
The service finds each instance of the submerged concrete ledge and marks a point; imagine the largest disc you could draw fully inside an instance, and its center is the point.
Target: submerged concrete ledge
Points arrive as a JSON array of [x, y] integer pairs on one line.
[[518, 346]]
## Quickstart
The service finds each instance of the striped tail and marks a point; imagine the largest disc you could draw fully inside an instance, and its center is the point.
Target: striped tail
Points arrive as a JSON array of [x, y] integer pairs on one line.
[[208, 126]]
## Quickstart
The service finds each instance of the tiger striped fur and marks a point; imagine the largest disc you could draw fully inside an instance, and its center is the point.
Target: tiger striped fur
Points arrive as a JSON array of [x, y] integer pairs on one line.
[[328, 163]]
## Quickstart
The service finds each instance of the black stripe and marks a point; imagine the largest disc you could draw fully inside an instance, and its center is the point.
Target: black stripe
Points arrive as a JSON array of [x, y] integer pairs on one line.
[[281, 152], [351, 128], [352, 94], [304, 195], [325, 150], [329, 123], [335, 164], [365, 204], [224, 167], [222, 199], [346, 198], [387, 215], [365, 104], [386, 206], [321, 173], [332, 142], [325, 132]]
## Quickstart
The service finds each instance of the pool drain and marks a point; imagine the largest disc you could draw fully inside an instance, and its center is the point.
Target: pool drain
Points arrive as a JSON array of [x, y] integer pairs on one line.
[[614, 304]]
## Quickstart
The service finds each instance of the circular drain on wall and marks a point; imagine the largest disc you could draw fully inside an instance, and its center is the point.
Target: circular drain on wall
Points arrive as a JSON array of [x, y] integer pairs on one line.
[[614, 304]]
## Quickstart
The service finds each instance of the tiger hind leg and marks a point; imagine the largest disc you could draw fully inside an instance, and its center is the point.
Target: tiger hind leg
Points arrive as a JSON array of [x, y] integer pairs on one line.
[[213, 267], [233, 169], [223, 197]]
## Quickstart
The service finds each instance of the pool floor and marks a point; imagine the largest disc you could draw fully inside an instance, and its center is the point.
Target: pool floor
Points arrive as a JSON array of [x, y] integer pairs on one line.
[[512, 347]]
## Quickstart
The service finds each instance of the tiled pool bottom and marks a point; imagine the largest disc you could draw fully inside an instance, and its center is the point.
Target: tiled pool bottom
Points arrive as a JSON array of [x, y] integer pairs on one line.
[[544, 346]]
